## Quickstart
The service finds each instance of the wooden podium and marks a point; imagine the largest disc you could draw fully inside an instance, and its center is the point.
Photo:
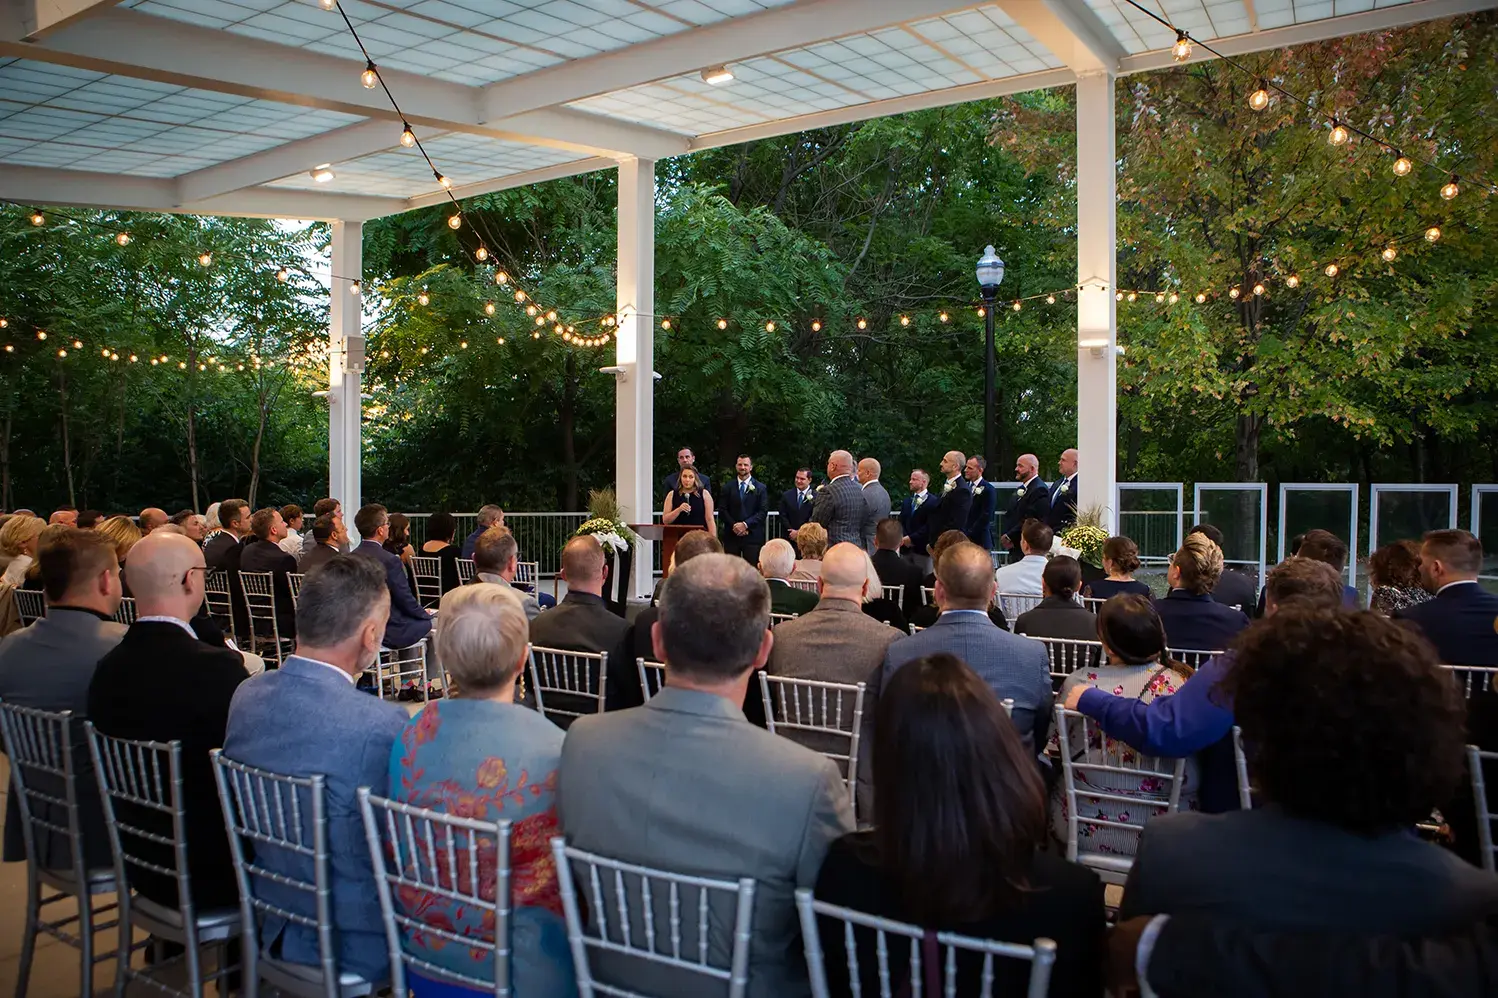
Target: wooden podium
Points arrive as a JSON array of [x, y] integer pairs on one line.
[[666, 535]]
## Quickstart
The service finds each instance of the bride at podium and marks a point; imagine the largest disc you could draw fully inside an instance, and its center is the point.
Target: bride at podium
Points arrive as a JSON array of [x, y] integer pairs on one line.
[[688, 505]]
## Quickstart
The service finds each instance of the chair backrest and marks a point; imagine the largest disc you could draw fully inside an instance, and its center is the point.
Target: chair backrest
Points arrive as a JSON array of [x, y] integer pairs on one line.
[[145, 777], [294, 583], [276, 824], [260, 601], [1240, 764], [654, 918], [780, 618], [1470, 678], [1008, 704], [1067, 655], [896, 593], [527, 573], [427, 859], [809, 585], [427, 573], [43, 770], [1194, 657], [126, 612], [1486, 815], [31, 605], [1014, 604], [824, 716], [575, 680], [979, 955], [466, 571], [916, 628], [1101, 769], [928, 595], [396, 666], [652, 676], [1092, 602], [218, 599]]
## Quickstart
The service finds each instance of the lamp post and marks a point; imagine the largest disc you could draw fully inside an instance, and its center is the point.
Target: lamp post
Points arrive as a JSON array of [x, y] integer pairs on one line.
[[990, 276]]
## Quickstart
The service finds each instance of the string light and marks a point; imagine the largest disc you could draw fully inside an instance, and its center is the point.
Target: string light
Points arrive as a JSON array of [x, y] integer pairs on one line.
[[455, 221], [1339, 134], [1049, 300], [540, 320], [1234, 293], [1403, 166], [122, 238], [1433, 233], [488, 308], [1160, 298], [77, 344], [982, 312], [1133, 296], [904, 320], [531, 310], [1118, 296], [443, 180], [500, 340], [41, 334], [943, 317], [520, 296], [1389, 254], [552, 317], [327, 4], [4, 323], [816, 325], [1200, 298], [1293, 281], [1450, 190], [370, 77], [408, 137], [283, 275], [463, 345], [1332, 270], [1173, 299], [500, 277], [1181, 50], [722, 323], [1258, 289], [481, 254], [1016, 306], [863, 324], [355, 288], [134, 358], [423, 298], [769, 327], [665, 323], [62, 353], [1259, 99], [37, 218], [205, 259]]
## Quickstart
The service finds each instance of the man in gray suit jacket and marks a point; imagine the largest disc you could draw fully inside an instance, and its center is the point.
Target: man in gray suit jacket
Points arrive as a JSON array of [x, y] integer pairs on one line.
[[1014, 667], [686, 784], [839, 505], [49, 666], [306, 718], [875, 501]]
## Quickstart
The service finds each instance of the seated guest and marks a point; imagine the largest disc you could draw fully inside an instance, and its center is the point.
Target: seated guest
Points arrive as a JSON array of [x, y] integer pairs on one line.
[[66, 515], [88, 519], [150, 518], [223, 549], [1193, 620], [210, 519], [762, 806], [307, 719], [399, 542], [944, 540], [958, 843], [777, 562], [928, 614], [446, 758], [320, 509], [894, 570], [490, 515], [407, 622], [1234, 588], [1198, 719], [584, 622], [811, 541], [439, 544], [641, 640], [326, 534], [1325, 546], [291, 513], [263, 553], [1120, 561], [1013, 667], [162, 684], [49, 665], [1353, 735], [886, 611], [1136, 667], [124, 535], [18, 539], [1059, 615], [1022, 578], [495, 560], [1394, 578], [1460, 620], [194, 526]]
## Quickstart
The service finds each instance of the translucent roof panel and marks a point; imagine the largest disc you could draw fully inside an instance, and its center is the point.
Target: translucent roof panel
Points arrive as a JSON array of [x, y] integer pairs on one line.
[[463, 41], [58, 116], [1207, 19]]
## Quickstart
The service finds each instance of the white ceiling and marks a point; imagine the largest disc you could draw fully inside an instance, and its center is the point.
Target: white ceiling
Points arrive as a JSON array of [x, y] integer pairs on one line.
[[219, 106]]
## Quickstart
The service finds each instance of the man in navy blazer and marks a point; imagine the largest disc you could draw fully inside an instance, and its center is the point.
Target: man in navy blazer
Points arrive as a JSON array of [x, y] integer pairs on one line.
[[1063, 493], [306, 719], [1031, 501], [1193, 619], [1014, 667], [745, 504], [979, 527], [409, 623], [915, 521], [796, 504], [1462, 621], [956, 497]]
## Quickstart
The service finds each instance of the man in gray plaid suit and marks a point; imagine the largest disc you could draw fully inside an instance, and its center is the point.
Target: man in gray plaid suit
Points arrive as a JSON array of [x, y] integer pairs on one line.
[[839, 505]]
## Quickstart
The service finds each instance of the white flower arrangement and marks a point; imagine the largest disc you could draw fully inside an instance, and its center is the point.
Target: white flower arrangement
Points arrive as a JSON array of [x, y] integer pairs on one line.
[[604, 523]]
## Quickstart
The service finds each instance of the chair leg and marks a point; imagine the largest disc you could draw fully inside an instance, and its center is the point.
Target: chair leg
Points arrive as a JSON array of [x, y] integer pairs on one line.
[[85, 945], [123, 951], [194, 965], [249, 966], [28, 940]]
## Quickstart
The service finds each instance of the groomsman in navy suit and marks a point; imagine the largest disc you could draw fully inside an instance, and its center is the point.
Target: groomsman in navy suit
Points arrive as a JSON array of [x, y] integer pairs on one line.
[[745, 505], [979, 527], [915, 521], [956, 497], [795, 504], [1063, 511], [1462, 621], [1031, 501]]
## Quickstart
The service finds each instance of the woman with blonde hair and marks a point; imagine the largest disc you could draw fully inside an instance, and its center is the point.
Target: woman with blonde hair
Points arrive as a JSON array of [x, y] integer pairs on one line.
[[18, 542], [123, 534], [1193, 620], [811, 541], [689, 504]]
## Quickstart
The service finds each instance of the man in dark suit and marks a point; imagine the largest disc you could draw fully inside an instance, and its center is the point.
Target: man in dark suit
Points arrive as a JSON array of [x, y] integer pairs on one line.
[[745, 504], [894, 570], [1192, 619], [583, 622], [1462, 621], [915, 521], [641, 644], [685, 459], [1031, 501], [224, 551], [979, 527], [795, 504], [777, 559], [1063, 493], [956, 497], [839, 504], [164, 684], [49, 665], [1234, 588], [409, 623], [262, 553], [327, 533]]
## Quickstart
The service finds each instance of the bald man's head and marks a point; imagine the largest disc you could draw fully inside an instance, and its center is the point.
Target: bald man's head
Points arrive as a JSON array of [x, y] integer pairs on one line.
[[151, 518], [952, 463], [844, 572], [1026, 467], [839, 462], [1068, 463], [964, 578], [868, 470], [165, 575]]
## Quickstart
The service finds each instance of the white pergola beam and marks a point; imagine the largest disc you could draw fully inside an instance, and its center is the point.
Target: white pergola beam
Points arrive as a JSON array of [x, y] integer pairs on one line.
[[1072, 32], [1097, 309], [345, 387], [514, 180], [634, 392], [35, 19]]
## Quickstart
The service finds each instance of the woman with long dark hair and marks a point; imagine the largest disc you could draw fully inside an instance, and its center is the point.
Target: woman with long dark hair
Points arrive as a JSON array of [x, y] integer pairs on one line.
[[959, 822]]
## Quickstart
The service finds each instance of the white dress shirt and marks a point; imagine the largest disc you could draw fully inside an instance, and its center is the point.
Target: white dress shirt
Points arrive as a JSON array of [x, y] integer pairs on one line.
[[1023, 576], [292, 543]]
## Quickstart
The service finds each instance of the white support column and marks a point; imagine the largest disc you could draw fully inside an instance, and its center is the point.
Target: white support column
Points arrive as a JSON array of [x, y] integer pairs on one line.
[[345, 388], [1097, 312], [634, 420]]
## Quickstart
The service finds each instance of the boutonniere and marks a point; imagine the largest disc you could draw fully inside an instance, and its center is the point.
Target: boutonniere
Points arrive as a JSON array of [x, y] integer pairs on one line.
[[822, 487], [749, 487], [977, 490], [948, 487], [1019, 492], [1065, 488], [916, 501]]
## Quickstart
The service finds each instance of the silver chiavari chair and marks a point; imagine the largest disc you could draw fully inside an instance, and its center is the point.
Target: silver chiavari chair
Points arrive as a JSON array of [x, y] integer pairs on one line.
[[265, 629], [528, 575], [1014, 604], [1470, 678], [915, 628], [807, 585], [1068, 655], [219, 600], [652, 676], [928, 595], [126, 612], [1476, 757], [140, 782], [397, 666], [466, 572], [780, 618], [825, 717], [1008, 704], [1240, 765], [647, 919], [427, 574], [895, 593], [423, 857], [31, 605], [1194, 657], [1100, 769], [1092, 603], [294, 583], [278, 831], [44, 786], [574, 682], [955, 957]]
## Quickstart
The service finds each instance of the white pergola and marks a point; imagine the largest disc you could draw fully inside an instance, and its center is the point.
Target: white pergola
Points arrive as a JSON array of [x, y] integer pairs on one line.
[[223, 107]]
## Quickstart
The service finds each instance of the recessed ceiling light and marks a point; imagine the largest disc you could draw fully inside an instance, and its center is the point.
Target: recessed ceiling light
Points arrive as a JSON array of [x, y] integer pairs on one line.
[[323, 173], [716, 75]]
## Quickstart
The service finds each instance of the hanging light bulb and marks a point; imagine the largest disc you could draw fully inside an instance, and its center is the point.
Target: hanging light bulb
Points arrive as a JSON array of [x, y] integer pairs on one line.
[[904, 320], [1050, 299], [1201, 298], [1181, 50], [423, 298], [1160, 298], [1174, 297], [1259, 99], [1403, 166], [488, 308], [552, 316], [1234, 293], [62, 353], [982, 312], [863, 324], [37, 218], [408, 137], [442, 179], [1133, 296], [1433, 233], [1339, 134], [104, 352], [205, 259], [327, 4], [370, 77], [665, 323], [134, 358], [282, 275], [816, 325], [943, 317], [356, 288], [1450, 190], [769, 327], [77, 344], [1389, 254], [520, 296], [1293, 281], [181, 365], [531, 310], [722, 323], [1258, 289], [41, 334], [500, 277], [481, 254], [154, 362], [1118, 296], [122, 238], [455, 221], [1332, 270], [1017, 306]]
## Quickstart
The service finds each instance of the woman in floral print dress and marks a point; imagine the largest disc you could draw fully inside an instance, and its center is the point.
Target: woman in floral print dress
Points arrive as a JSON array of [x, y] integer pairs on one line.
[[1134, 646]]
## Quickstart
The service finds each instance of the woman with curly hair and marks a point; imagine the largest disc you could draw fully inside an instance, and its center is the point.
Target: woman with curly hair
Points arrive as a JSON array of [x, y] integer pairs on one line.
[[1192, 618], [1394, 578], [1353, 734]]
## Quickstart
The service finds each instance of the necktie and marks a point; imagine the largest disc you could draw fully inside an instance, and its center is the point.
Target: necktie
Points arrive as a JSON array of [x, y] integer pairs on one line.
[[742, 484]]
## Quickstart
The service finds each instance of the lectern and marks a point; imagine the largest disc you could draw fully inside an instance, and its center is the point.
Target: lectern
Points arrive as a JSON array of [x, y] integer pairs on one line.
[[665, 534]]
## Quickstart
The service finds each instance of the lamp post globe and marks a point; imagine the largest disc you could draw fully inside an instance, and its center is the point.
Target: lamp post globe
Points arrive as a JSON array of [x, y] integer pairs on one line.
[[990, 276]]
